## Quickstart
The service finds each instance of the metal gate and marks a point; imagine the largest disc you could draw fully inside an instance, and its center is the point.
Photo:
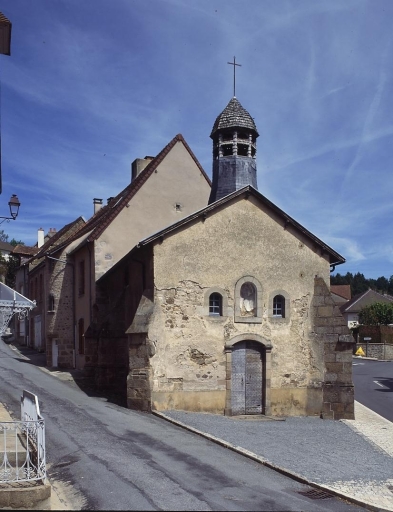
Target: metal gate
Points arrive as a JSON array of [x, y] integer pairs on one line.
[[247, 378]]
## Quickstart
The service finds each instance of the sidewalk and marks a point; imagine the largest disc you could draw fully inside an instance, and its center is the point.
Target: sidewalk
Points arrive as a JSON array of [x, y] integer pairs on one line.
[[351, 458]]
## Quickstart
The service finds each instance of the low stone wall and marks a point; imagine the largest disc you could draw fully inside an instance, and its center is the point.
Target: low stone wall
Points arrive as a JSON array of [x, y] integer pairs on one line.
[[377, 350]]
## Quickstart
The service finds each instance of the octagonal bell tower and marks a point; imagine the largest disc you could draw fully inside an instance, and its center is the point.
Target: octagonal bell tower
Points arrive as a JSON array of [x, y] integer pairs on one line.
[[234, 137]]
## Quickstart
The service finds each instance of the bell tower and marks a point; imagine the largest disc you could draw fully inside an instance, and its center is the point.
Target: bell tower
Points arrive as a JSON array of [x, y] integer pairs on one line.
[[234, 136]]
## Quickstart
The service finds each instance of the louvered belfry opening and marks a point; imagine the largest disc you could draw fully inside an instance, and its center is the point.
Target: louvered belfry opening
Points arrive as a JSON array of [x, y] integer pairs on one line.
[[234, 137]]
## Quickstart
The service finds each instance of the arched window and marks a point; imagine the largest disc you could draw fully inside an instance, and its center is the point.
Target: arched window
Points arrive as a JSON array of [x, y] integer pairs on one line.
[[215, 304], [248, 300], [279, 306]]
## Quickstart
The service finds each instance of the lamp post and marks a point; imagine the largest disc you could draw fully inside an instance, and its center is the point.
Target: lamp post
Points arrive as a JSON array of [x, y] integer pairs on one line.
[[14, 205]]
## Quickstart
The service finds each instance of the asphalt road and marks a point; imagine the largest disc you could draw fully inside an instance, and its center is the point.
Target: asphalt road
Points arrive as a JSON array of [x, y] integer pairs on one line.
[[111, 458], [373, 382]]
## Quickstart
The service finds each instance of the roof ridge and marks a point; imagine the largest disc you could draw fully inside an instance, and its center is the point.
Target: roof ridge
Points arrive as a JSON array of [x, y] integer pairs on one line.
[[248, 189], [56, 237], [128, 192]]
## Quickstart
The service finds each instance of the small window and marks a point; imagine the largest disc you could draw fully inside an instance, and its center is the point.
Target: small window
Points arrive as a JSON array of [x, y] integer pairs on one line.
[[51, 302], [279, 306], [215, 304]]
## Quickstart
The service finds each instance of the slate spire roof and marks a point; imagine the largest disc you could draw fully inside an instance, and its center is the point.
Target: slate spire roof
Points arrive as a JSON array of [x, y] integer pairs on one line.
[[234, 115]]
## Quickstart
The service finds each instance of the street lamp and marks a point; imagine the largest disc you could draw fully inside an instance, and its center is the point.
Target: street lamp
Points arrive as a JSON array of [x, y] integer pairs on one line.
[[14, 205]]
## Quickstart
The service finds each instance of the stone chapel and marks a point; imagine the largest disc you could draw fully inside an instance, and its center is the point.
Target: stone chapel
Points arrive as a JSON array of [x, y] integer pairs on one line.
[[227, 310]]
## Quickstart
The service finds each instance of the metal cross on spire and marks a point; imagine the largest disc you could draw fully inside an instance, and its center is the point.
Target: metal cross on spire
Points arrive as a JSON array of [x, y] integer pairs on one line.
[[234, 74]]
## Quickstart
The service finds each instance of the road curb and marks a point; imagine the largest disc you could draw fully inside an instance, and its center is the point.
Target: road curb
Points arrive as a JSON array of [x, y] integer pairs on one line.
[[21, 497], [271, 465]]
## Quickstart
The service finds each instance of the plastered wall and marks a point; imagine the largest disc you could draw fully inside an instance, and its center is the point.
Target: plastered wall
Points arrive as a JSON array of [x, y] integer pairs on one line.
[[189, 365]]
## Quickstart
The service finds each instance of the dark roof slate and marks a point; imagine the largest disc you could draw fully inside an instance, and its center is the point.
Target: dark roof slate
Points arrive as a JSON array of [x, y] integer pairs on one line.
[[25, 250], [234, 116], [361, 300], [5, 246]]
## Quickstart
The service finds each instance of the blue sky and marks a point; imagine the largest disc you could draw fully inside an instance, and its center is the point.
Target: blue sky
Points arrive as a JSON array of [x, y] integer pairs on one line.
[[93, 84]]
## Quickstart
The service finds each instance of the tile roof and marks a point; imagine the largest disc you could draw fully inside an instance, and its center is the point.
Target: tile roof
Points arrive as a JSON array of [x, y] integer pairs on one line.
[[59, 238], [103, 218], [234, 116], [342, 290], [364, 299], [5, 246], [25, 250]]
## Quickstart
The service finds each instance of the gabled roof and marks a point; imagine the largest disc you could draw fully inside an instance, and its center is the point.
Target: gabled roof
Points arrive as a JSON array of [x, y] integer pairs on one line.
[[5, 246], [334, 257], [342, 290], [25, 250], [103, 218], [58, 239], [361, 300]]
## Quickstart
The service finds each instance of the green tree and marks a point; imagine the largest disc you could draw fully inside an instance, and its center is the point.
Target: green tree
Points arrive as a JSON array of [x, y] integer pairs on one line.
[[9, 267], [359, 284], [379, 313]]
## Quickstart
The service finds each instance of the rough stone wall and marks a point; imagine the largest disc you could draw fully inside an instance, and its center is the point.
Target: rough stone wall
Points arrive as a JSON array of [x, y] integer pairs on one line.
[[140, 372], [36, 285], [108, 347], [378, 350], [241, 240], [332, 333], [60, 321]]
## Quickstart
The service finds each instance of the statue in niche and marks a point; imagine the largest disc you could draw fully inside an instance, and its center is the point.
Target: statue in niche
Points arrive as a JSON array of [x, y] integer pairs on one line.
[[247, 300]]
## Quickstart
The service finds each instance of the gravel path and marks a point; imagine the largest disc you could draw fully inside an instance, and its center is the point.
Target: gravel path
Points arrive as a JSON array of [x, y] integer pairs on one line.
[[321, 450]]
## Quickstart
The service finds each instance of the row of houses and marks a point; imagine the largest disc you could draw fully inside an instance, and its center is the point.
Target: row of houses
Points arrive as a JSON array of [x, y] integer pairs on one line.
[[62, 271], [185, 293]]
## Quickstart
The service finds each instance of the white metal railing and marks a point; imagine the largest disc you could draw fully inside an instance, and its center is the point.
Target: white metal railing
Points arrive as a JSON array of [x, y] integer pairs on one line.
[[22, 444]]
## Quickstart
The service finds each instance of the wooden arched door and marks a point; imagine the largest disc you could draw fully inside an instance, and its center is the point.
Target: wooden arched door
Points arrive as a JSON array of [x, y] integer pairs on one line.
[[247, 392]]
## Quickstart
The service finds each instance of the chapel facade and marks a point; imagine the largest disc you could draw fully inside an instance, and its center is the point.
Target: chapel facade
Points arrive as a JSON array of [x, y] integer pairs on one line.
[[229, 309]]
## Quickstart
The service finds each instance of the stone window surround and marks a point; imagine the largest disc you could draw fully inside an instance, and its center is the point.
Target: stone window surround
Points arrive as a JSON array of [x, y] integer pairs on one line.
[[248, 319], [266, 347], [287, 306], [224, 303]]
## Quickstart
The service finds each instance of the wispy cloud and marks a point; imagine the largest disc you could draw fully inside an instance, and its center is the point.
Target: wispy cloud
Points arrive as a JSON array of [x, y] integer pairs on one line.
[[92, 85]]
